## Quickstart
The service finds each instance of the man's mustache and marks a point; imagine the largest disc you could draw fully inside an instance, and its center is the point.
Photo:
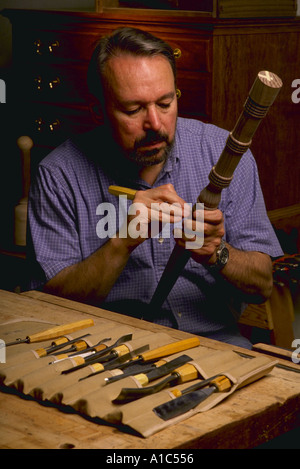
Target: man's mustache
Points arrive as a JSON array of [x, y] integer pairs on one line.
[[151, 138]]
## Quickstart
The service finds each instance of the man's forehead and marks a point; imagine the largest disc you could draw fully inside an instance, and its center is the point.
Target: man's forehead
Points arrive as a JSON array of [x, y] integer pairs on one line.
[[129, 62], [130, 77]]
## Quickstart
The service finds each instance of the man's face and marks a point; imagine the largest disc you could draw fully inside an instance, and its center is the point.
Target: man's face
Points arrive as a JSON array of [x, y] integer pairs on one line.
[[141, 106]]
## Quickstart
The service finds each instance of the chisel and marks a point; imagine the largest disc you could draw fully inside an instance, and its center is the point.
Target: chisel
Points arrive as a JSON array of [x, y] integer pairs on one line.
[[54, 332], [114, 350], [147, 375], [183, 374], [43, 352], [191, 397], [111, 365], [164, 351], [82, 345], [139, 370], [152, 354], [119, 190]]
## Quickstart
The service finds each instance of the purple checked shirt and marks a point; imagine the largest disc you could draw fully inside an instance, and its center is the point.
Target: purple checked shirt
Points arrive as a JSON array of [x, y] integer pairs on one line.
[[72, 183]]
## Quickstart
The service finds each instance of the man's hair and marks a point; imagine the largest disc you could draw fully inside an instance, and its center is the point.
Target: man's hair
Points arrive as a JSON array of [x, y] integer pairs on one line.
[[124, 41]]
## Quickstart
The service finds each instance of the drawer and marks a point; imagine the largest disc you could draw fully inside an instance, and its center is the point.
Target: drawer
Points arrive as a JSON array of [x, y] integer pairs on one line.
[[193, 53], [45, 46], [51, 125], [195, 100], [56, 84], [55, 46]]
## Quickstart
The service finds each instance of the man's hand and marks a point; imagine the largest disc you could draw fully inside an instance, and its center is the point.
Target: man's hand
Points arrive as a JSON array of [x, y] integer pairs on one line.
[[151, 210], [210, 234]]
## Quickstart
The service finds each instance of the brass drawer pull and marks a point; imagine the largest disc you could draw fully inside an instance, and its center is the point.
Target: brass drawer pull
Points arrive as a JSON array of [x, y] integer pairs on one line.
[[54, 125], [177, 53], [38, 83], [38, 45], [52, 84], [41, 125], [53, 46]]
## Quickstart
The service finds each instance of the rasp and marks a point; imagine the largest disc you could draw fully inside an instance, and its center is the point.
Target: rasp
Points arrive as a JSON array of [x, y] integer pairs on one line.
[[191, 397], [183, 374], [54, 332]]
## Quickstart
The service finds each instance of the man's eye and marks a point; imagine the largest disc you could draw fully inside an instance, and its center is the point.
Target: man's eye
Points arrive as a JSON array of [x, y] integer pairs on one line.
[[131, 112], [164, 105]]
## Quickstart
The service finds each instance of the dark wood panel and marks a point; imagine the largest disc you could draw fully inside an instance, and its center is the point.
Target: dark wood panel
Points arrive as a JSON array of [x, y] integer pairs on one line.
[[276, 146]]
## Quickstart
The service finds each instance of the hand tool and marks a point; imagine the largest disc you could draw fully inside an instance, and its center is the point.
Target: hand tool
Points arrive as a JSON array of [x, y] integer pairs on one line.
[[261, 96], [43, 352], [183, 374], [151, 373], [62, 358], [98, 356], [160, 352], [191, 397], [138, 369], [119, 190], [81, 345], [111, 365], [54, 332], [164, 351]]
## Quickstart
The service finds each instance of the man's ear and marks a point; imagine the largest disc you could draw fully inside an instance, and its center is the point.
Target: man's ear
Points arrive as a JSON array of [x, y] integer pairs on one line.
[[96, 111]]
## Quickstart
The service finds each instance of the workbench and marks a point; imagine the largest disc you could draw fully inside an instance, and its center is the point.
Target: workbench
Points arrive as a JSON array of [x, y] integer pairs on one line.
[[251, 416]]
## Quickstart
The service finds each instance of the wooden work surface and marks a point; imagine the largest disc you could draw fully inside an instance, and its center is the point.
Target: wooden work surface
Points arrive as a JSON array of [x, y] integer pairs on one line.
[[250, 417]]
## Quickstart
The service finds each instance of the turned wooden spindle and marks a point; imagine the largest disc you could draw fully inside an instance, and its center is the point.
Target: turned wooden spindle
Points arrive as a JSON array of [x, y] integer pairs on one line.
[[25, 145], [261, 96]]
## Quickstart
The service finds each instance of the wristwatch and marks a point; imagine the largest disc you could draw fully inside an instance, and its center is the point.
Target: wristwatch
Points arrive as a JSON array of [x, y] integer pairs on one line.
[[222, 256]]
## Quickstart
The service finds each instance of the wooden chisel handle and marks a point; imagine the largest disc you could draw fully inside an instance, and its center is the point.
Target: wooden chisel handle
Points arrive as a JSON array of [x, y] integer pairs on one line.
[[170, 349], [58, 331], [222, 383], [187, 372], [119, 190]]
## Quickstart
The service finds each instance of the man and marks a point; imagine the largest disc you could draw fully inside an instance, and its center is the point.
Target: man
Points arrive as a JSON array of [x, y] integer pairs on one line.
[[143, 145]]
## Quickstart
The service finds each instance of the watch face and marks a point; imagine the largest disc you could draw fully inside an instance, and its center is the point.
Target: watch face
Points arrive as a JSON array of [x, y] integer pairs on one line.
[[223, 256]]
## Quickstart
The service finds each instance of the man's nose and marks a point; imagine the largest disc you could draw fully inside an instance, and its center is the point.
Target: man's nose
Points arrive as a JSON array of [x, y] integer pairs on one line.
[[152, 119]]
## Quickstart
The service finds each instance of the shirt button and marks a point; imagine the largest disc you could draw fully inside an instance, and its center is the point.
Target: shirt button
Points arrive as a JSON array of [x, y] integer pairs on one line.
[[179, 314], [160, 240]]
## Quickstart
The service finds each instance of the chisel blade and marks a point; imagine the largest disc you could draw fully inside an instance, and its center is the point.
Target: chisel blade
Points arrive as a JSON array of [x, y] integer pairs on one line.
[[180, 374], [183, 404], [112, 365]]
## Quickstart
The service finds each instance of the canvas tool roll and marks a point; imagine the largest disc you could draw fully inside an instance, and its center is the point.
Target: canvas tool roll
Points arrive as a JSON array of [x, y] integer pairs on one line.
[[42, 379]]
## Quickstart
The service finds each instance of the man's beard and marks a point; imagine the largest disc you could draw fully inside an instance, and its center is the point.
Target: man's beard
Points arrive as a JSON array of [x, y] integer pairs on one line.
[[143, 157]]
